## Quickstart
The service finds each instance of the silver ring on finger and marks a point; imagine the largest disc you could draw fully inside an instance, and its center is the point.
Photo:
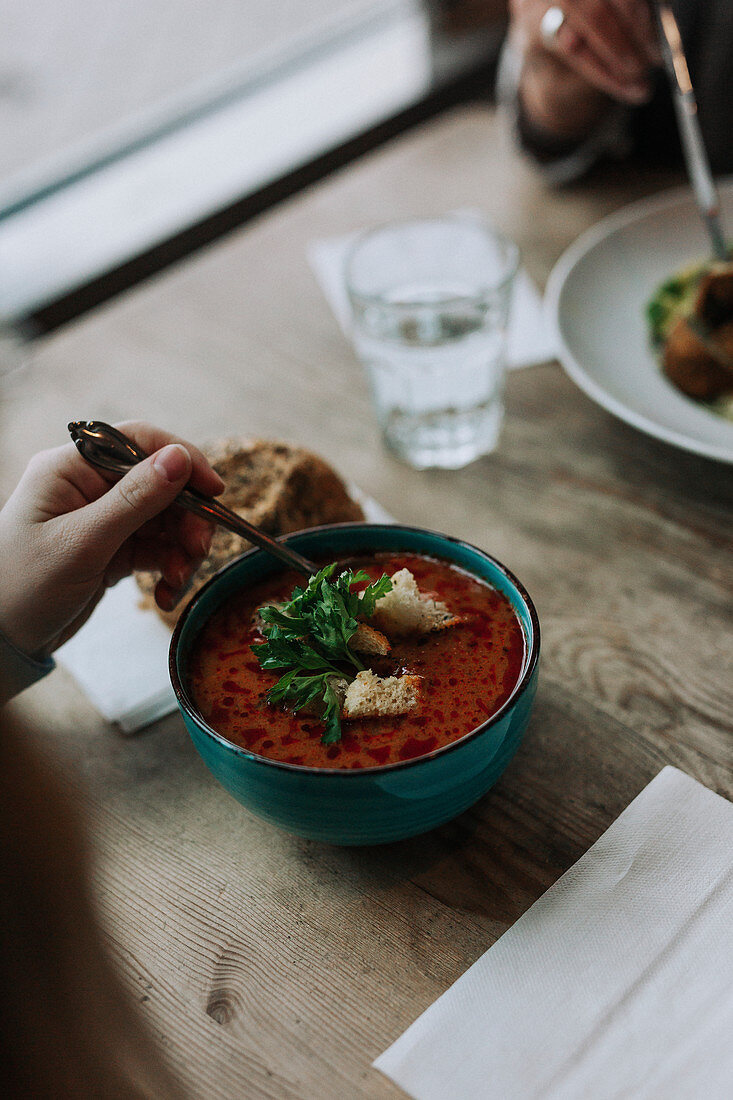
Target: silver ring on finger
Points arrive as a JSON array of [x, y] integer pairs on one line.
[[550, 26]]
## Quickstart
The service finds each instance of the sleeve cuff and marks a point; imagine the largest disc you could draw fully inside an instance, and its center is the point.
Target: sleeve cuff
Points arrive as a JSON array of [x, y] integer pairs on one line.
[[558, 161], [17, 670]]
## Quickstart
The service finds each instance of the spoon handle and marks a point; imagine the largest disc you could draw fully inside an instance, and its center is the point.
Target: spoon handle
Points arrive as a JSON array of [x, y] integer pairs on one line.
[[216, 512], [693, 146], [109, 449]]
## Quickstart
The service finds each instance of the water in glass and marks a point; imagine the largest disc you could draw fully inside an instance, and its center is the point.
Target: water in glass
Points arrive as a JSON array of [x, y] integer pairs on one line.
[[435, 359]]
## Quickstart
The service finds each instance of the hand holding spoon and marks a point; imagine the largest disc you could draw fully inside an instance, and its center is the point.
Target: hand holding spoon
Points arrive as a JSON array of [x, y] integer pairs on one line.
[[109, 449]]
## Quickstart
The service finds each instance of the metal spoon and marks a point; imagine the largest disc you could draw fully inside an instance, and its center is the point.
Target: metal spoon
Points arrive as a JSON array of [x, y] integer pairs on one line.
[[693, 147], [109, 449]]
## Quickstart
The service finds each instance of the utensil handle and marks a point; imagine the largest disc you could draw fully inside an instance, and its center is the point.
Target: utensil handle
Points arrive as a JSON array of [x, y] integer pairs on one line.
[[695, 152], [109, 449], [213, 510], [685, 105]]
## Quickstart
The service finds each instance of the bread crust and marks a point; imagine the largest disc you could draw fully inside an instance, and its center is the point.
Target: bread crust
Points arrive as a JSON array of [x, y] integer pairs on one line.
[[278, 487]]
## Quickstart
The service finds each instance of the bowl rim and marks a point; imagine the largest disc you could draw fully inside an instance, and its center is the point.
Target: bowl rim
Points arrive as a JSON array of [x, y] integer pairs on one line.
[[186, 702]]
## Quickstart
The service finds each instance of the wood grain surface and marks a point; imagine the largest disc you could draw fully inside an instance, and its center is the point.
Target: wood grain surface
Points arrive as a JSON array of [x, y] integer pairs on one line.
[[275, 967]]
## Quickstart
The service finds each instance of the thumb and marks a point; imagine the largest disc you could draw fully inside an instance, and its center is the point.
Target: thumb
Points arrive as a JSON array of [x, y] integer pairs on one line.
[[145, 491]]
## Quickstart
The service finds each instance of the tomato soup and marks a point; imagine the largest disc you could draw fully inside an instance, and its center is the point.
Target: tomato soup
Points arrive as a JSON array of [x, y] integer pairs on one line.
[[468, 672]]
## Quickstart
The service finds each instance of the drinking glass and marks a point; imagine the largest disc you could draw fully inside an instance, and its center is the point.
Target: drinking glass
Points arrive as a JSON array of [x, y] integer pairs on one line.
[[430, 302]]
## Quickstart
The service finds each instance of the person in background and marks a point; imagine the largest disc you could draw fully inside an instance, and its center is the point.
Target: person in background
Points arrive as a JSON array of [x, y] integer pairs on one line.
[[582, 80], [67, 1027]]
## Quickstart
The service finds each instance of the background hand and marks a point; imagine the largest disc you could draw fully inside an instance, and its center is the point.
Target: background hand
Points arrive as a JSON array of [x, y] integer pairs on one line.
[[611, 44], [67, 534]]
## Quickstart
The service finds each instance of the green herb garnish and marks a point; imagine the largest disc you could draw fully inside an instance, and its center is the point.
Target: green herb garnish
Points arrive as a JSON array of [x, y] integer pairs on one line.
[[674, 298], [309, 637]]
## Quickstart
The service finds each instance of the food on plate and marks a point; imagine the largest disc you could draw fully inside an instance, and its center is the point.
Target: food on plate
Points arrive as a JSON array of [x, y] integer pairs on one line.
[[691, 324], [278, 487], [674, 298], [280, 668]]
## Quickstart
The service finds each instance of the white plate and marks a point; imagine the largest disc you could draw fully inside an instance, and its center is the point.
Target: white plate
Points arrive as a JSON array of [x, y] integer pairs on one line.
[[595, 303]]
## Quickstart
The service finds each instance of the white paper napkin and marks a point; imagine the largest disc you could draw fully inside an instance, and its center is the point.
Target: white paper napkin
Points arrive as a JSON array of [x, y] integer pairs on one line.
[[617, 983], [120, 657], [528, 340]]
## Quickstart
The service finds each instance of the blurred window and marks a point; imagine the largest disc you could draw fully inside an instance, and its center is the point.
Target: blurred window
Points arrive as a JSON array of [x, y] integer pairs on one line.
[[129, 121]]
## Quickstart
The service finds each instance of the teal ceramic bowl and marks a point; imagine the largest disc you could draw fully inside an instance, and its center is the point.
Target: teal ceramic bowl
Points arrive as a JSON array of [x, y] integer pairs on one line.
[[369, 805]]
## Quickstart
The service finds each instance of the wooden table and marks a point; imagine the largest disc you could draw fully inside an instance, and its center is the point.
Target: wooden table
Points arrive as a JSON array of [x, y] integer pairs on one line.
[[274, 967]]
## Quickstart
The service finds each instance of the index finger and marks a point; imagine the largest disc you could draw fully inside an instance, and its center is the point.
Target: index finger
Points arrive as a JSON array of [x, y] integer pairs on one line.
[[151, 439], [600, 24], [639, 22]]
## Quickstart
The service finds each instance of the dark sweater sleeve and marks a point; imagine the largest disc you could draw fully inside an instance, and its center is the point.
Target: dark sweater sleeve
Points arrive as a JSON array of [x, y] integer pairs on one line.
[[559, 161], [18, 671]]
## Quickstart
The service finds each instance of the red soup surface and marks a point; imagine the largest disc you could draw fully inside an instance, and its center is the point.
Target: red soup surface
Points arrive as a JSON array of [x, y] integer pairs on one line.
[[468, 672]]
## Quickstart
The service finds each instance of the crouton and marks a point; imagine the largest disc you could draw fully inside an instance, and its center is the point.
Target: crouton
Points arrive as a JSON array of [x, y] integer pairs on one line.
[[405, 610], [370, 641], [371, 696]]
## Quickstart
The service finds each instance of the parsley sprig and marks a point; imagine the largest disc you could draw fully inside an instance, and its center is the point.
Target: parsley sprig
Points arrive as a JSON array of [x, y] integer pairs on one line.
[[308, 638]]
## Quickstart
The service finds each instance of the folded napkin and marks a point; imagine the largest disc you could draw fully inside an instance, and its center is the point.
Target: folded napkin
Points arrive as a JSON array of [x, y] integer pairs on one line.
[[120, 657], [528, 341], [617, 983]]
